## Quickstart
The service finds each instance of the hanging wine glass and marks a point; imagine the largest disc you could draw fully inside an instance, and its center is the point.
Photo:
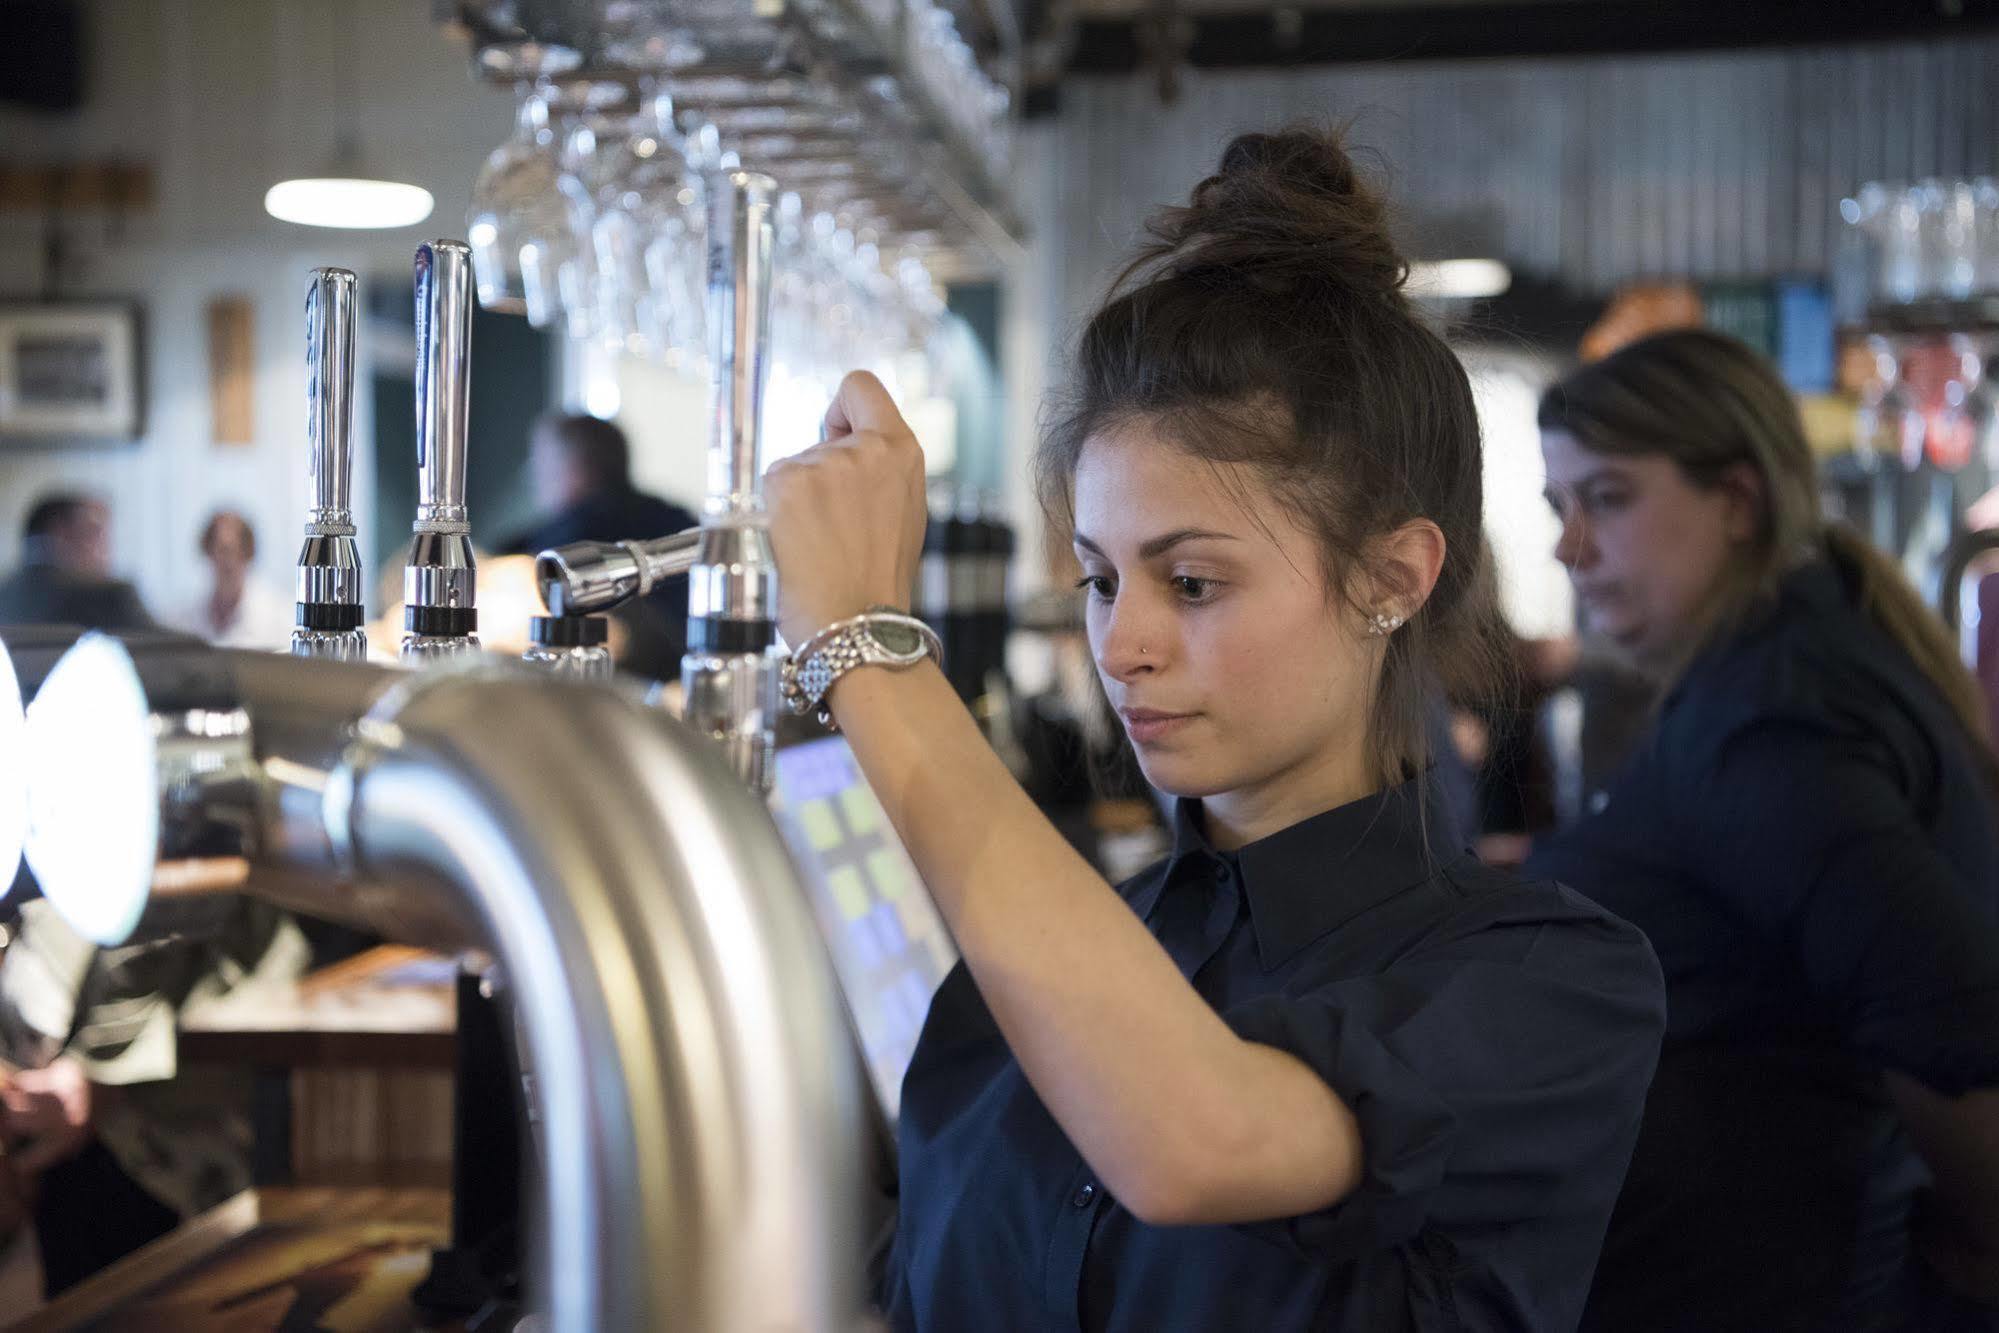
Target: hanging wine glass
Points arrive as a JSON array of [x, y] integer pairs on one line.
[[515, 204], [636, 173], [576, 270], [676, 271], [646, 36]]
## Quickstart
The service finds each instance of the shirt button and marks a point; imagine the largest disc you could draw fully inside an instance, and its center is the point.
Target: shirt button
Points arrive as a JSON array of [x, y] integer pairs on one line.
[[1085, 1196], [1222, 872]]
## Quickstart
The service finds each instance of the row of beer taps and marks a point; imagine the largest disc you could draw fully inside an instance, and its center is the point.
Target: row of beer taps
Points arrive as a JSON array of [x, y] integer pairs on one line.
[[695, 1099], [730, 675]]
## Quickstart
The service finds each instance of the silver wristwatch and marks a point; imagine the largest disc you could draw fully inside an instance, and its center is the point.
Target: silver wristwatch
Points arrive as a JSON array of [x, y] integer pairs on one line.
[[879, 636]]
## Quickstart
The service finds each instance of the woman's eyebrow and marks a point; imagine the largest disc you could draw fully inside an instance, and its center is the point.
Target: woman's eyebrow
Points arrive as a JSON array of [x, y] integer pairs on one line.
[[1160, 545]]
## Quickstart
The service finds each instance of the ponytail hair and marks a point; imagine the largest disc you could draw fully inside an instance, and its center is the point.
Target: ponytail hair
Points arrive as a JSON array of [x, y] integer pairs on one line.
[[1890, 602]]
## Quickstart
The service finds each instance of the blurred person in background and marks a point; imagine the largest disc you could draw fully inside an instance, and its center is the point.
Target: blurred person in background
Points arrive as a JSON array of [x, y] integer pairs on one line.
[[236, 610], [105, 1143], [65, 573], [581, 468], [108, 1140], [1807, 836]]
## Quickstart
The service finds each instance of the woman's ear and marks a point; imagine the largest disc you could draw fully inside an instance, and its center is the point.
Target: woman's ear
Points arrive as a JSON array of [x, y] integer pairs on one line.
[[1744, 488], [1405, 566]]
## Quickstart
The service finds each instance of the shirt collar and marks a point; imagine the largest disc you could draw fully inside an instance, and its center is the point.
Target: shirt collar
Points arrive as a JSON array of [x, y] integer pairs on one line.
[[1323, 871]]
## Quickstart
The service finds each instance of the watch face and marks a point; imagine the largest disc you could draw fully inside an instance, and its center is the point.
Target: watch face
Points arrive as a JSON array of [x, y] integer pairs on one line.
[[898, 639]]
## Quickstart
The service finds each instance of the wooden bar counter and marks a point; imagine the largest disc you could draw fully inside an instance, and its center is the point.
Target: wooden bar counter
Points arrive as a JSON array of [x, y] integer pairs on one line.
[[339, 1260], [353, 1070]]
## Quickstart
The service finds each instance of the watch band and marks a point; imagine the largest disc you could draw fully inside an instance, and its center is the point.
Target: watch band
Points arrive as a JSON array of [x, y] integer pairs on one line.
[[811, 671]]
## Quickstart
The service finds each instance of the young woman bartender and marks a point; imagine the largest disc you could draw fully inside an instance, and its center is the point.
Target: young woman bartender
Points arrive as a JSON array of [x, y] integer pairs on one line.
[[1316, 1070], [1808, 839]]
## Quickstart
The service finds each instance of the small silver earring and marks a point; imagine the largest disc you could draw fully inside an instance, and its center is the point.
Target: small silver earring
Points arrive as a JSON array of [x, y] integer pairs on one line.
[[1381, 625]]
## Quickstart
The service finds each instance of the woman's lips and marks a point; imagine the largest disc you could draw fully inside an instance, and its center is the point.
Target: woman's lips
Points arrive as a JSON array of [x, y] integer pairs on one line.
[[1598, 598], [1147, 725]]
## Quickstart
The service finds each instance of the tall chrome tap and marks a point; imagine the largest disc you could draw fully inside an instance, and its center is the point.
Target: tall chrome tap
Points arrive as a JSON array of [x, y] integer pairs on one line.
[[329, 615], [440, 602], [731, 671]]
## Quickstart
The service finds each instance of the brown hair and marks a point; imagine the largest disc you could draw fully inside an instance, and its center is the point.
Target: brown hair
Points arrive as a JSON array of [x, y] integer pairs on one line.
[[1710, 404], [1265, 323], [212, 529], [596, 446]]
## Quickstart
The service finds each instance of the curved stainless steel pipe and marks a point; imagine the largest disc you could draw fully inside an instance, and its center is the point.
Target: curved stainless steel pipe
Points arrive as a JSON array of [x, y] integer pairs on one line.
[[700, 1131]]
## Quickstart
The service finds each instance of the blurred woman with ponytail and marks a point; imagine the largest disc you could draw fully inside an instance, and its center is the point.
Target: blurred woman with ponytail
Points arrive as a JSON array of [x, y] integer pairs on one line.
[[1318, 1069], [1807, 837]]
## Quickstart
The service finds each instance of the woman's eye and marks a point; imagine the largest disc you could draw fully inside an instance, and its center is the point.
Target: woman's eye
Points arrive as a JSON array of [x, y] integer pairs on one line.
[[1598, 502], [1194, 589], [1097, 585]]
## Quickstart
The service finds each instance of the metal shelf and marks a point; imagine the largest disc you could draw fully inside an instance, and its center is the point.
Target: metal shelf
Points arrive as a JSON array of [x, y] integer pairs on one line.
[[955, 168], [840, 87]]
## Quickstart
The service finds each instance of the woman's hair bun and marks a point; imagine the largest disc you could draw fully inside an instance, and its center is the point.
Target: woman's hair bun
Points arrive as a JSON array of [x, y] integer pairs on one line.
[[1283, 208]]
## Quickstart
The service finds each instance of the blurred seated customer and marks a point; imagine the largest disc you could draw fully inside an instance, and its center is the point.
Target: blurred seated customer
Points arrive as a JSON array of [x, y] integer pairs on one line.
[[110, 1142], [582, 470], [65, 574], [236, 610], [1807, 836]]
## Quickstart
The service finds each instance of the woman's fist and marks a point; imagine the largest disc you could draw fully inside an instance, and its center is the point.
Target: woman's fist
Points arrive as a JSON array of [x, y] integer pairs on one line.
[[847, 515]]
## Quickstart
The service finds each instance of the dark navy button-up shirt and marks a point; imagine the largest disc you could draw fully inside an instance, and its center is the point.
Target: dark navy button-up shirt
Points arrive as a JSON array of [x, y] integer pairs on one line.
[[1493, 1037], [1808, 840]]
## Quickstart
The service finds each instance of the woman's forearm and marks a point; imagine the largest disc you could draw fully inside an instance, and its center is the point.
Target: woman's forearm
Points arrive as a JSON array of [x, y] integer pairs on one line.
[[1181, 1119]]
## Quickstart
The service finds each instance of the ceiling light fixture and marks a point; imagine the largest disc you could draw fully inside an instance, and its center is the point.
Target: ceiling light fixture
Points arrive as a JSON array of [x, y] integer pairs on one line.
[[347, 194], [352, 200], [1457, 279]]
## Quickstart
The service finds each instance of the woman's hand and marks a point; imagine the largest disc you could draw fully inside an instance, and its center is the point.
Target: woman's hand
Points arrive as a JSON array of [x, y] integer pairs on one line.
[[847, 515]]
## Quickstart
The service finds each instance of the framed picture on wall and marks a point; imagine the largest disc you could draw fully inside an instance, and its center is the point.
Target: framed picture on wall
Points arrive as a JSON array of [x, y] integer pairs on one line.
[[70, 370]]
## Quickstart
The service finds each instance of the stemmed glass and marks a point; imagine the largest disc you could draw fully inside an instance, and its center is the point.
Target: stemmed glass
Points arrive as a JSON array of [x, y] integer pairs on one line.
[[516, 205]]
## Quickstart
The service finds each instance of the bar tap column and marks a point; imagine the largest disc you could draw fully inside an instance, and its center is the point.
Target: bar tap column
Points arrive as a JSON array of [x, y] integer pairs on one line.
[[328, 618], [440, 615], [731, 670]]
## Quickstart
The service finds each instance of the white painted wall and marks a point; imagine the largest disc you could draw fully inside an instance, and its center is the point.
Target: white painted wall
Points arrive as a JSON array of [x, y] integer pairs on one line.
[[223, 98]]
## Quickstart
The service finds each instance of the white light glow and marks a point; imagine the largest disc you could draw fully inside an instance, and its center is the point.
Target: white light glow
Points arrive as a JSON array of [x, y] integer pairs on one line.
[[93, 804], [339, 201], [602, 396], [13, 774], [1458, 279]]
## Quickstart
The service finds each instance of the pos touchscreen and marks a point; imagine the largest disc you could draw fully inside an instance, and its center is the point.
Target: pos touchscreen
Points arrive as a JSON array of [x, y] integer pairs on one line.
[[889, 946]]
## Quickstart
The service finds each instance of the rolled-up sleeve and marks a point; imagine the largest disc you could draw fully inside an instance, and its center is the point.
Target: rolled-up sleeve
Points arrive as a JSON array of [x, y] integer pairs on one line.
[[1484, 1070]]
